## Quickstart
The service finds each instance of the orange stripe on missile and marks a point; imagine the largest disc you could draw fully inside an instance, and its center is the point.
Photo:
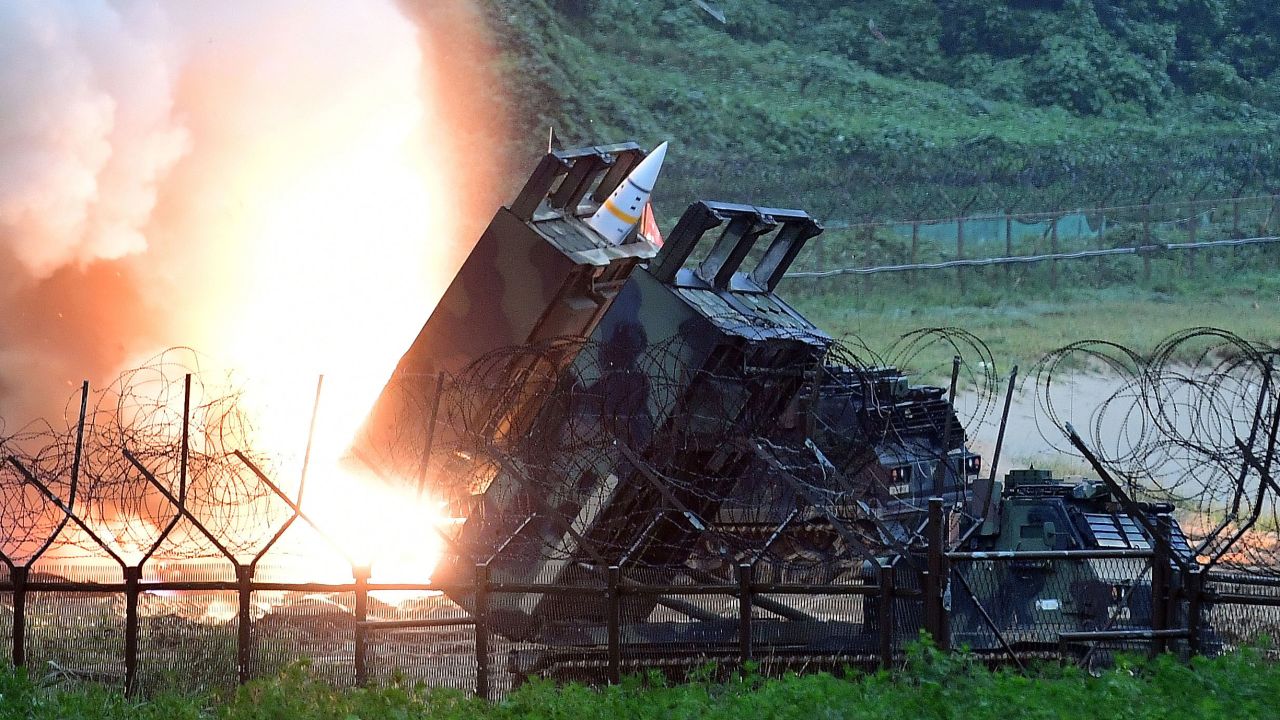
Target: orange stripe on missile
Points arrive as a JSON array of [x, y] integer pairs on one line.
[[620, 213]]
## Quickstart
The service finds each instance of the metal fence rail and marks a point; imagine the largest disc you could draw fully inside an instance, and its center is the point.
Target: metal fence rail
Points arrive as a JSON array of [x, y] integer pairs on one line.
[[1033, 259], [1012, 239], [94, 631]]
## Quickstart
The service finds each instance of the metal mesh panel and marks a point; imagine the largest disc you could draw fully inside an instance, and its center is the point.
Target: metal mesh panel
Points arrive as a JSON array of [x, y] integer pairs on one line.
[[436, 656], [996, 235], [6, 624], [1231, 625], [572, 642], [76, 636], [908, 609], [1027, 604], [317, 626], [187, 641], [665, 629], [825, 630]]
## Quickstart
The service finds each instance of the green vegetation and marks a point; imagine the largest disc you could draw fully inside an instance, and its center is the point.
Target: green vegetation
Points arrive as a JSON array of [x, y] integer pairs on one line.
[[932, 108], [933, 685], [896, 108], [1021, 319]]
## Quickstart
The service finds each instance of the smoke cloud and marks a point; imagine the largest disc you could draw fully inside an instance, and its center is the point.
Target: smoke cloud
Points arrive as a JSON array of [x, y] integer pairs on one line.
[[88, 128], [279, 185]]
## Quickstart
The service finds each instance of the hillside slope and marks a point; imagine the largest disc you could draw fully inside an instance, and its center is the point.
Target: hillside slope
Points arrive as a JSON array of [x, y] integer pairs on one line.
[[881, 108]]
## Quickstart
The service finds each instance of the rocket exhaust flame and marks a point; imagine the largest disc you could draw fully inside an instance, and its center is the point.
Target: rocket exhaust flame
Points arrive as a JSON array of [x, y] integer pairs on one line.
[[263, 183], [171, 479]]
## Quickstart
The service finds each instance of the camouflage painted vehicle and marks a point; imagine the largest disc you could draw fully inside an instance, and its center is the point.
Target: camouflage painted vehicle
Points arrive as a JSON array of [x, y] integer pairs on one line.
[[677, 423], [537, 272], [1030, 598]]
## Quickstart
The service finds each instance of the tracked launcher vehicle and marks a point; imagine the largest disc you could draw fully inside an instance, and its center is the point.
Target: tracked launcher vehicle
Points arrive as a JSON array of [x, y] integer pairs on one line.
[[691, 426]]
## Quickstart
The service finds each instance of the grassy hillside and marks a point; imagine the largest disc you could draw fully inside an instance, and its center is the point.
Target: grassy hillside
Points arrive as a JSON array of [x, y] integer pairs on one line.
[[883, 108], [922, 108]]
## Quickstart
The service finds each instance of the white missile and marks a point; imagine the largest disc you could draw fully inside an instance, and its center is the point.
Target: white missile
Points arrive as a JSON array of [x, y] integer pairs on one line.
[[622, 209]]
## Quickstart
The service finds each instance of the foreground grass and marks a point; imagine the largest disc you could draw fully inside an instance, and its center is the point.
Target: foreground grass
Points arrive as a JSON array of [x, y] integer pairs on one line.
[[933, 685]]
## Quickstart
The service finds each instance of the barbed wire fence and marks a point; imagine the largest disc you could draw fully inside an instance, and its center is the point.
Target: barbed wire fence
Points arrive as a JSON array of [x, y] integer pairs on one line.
[[1193, 422], [601, 486]]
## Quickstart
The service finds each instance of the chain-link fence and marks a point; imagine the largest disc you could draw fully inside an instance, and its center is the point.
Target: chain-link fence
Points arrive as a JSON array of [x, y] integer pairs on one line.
[[1082, 606], [155, 550], [1096, 246]]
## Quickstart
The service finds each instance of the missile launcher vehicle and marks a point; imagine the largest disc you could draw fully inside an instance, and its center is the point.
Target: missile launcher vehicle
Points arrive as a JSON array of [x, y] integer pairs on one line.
[[629, 412]]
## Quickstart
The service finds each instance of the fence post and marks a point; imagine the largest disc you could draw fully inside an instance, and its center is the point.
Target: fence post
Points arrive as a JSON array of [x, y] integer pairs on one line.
[[361, 574], [1237, 253], [1053, 248], [885, 619], [1195, 592], [960, 253], [1146, 240], [481, 614], [1193, 225], [1160, 585], [1100, 263], [19, 576], [868, 239], [1271, 215], [244, 637], [615, 624], [823, 257], [1008, 246], [915, 251], [132, 574], [934, 614], [915, 242], [744, 611]]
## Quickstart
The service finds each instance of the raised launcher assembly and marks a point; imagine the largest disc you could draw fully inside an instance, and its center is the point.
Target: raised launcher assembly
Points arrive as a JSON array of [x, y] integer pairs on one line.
[[733, 355], [703, 425], [678, 424], [538, 271]]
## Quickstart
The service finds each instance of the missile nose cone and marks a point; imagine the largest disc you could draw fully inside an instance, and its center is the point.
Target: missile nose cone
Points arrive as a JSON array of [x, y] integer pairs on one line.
[[646, 173], [620, 212]]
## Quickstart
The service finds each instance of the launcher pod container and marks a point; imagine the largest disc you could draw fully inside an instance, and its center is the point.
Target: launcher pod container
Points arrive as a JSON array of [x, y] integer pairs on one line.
[[685, 364], [538, 272]]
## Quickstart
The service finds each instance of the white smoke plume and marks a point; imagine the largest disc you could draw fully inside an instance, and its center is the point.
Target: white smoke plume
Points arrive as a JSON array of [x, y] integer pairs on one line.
[[265, 182], [87, 128]]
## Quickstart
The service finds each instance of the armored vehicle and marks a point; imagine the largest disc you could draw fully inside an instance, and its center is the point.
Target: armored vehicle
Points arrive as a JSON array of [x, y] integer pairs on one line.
[[1037, 591], [624, 413]]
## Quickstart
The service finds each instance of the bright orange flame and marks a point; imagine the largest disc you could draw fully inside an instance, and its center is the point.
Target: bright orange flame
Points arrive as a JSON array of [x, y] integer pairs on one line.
[[327, 263], [338, 275], [339, 270], [393, 531], [324, 199]]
